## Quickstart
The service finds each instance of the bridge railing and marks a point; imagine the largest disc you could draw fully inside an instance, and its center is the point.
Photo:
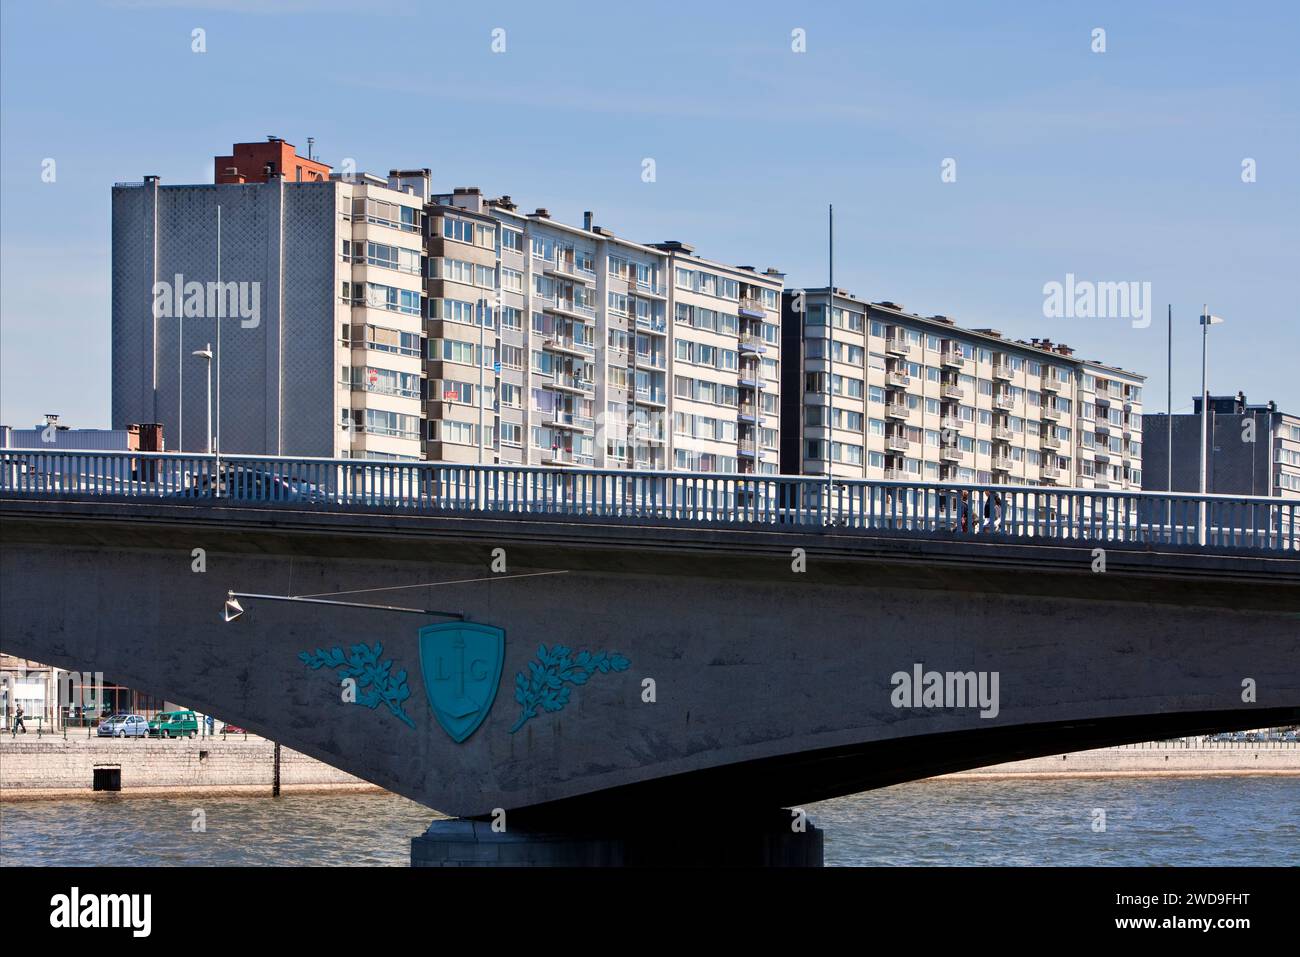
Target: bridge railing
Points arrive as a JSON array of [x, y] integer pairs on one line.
[[689, 498]]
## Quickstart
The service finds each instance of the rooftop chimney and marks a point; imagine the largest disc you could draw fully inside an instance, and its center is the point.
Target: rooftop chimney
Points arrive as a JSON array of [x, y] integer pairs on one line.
[[586, 220]]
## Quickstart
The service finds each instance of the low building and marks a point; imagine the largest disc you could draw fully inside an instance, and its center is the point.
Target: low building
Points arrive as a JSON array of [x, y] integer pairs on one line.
[[1254, 449]]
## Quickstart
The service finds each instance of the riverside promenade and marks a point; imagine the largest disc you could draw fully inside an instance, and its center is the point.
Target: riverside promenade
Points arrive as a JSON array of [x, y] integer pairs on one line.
[[51, 766]]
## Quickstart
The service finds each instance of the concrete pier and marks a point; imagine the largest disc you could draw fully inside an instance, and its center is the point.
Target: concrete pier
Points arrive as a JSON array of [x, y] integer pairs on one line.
[[708, 841]]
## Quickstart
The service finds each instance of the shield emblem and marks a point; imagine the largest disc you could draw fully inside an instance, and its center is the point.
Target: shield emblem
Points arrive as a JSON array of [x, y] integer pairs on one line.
[[461, 663]]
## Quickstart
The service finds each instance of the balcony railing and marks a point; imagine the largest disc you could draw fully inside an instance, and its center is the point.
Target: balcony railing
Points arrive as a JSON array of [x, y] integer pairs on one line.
[[897, 410], [1003, 401], [952, 391], [1001, 433], [954, 360], [750, 306], [1002, 371], [897, 346], [1230, 523]]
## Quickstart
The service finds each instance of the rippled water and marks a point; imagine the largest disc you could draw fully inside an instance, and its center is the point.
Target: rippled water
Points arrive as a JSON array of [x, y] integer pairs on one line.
[[1173, 821]]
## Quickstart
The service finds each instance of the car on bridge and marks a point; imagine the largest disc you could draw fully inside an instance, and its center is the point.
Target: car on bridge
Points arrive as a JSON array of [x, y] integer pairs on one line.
[[258, 485], [174, 724], [124, 726]]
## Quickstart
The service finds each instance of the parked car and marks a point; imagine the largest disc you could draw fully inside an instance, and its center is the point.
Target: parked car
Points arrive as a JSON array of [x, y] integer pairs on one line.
[[233, 729], [174, 724], [124, 726]]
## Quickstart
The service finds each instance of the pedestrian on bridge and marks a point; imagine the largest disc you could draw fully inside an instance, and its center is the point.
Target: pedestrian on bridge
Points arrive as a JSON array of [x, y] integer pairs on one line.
[[18, 720]]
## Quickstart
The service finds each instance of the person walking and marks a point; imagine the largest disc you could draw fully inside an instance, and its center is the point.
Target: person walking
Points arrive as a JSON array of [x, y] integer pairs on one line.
[[18, 720], [965, 510]]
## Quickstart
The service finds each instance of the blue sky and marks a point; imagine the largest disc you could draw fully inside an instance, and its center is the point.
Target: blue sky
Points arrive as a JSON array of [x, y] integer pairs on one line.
[[1115, 166]]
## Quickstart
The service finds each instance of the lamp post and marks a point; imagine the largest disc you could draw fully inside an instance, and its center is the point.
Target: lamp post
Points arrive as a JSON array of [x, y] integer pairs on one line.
[[206, 353], [1207, 320]]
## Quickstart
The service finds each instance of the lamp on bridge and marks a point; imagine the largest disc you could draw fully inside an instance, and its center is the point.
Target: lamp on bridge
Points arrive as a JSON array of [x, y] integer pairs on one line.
[[233, 609]]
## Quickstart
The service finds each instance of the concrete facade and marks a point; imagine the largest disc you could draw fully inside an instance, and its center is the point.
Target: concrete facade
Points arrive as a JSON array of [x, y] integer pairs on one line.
[[1254, 450]]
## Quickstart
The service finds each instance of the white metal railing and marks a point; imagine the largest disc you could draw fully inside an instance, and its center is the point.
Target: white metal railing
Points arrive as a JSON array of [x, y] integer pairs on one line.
[[689, 498]]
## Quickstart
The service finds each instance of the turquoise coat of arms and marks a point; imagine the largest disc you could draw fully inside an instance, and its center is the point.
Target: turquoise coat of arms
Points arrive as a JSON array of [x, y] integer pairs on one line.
[[461, 663]]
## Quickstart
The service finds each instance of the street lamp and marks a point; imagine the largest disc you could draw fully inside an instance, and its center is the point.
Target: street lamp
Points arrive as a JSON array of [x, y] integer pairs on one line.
[[1207, 320], [233, 609], [206, 353]]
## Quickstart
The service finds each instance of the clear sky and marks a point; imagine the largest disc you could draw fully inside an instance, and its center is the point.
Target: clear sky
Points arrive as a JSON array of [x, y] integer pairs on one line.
[[1124, 165]]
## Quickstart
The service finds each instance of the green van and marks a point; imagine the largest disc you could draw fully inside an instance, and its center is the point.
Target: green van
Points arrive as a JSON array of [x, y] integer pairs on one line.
[[174, 724]]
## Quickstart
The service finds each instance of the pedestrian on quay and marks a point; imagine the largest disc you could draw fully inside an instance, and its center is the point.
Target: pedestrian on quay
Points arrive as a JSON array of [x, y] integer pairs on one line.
[[18, 720]]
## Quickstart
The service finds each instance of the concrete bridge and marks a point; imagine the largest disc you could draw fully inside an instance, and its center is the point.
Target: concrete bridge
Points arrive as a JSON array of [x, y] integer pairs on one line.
[[647, 647]]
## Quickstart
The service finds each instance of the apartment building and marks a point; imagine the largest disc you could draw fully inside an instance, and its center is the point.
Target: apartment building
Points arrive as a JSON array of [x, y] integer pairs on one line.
[[393, 322], [318, 288], [1254, 449], [878, 392]]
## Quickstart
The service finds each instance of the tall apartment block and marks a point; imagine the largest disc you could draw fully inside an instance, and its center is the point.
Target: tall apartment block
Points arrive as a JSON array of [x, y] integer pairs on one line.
[[882, 393], [395, 322], [1254, 449]]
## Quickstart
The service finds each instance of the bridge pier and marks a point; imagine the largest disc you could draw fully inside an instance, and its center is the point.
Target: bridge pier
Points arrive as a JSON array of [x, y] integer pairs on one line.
[[766, 842]]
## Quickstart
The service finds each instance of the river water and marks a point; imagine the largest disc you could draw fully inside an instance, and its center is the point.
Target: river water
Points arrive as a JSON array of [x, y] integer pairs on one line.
[[1247, 820]]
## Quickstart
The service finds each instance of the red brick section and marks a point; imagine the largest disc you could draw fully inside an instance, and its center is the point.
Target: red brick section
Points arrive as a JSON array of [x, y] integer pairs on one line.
[[249, 162]]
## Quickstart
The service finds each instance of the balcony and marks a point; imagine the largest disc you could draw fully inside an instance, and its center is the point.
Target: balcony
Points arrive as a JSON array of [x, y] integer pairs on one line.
[[952, 423], [752, 345], [1001, 433], [569, 383], [748, 306], [897, 346], [898, 380], [897, 410], [897, 443], [565, 457], [897, 475], [750, 378], [951, 454], [561, 419], [651, 397], [1002, 463], [657, 325], [1002, 371], [1051, 384], [749, 412], [570, 307], [953, 360], [1049, 442], [1051, 413], [636, 287], [747, 447], [954, 392], [1004, 401], [569, 269], [1050, 473], [568, 346]]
